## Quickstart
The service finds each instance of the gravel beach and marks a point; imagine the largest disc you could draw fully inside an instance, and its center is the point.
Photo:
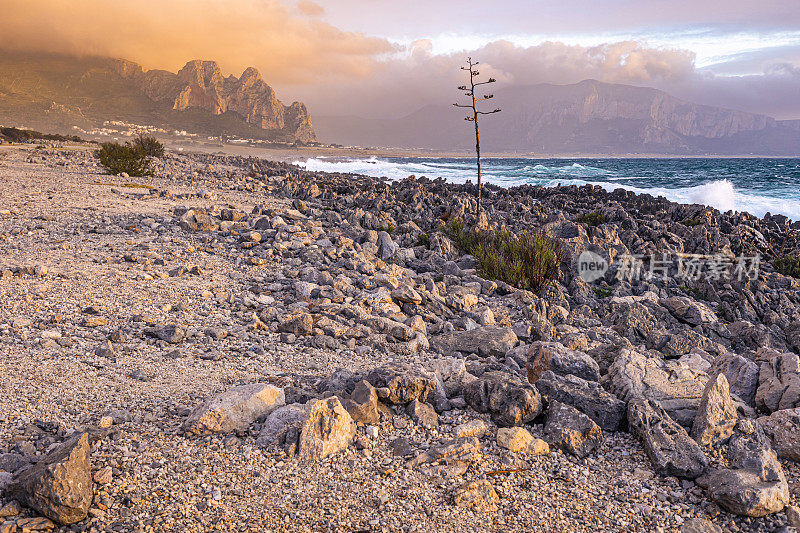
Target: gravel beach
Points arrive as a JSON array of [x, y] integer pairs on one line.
[[375, 381]]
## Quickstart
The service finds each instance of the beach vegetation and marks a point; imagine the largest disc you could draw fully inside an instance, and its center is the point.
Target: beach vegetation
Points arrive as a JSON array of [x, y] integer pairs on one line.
[[149, 145], [788, 265], [118, 158], [526, 260], [602, 292], [595, 218]]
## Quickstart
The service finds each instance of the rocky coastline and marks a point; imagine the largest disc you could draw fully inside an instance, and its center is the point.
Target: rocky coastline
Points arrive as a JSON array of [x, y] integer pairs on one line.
[[237, 344]]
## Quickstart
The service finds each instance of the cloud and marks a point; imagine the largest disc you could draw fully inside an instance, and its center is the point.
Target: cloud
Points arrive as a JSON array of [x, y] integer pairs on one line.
[[287, 48], [564, 17], [311, 9], [305, 56], [418, 77]]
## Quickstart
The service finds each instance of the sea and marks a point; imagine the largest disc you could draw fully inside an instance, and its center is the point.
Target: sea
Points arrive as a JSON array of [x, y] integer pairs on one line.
[[755, 185]]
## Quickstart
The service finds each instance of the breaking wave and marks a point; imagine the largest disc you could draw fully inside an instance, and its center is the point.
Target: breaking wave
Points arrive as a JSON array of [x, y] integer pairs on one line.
[[747, 185]]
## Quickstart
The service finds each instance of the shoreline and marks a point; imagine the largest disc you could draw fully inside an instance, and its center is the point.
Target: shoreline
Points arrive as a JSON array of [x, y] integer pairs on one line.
[[283, 154]]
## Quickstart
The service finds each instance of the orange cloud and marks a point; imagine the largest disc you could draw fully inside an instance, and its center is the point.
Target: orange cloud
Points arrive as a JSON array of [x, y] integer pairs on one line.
[[287, 48], [311, 9]]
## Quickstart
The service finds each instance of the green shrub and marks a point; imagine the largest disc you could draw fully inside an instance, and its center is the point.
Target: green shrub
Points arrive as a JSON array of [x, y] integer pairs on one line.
[[602, 292], [424, 239], [525, 260], [118, 158], [697, 294], [149, 145], [690, 222], [595, 218], [788, 265]]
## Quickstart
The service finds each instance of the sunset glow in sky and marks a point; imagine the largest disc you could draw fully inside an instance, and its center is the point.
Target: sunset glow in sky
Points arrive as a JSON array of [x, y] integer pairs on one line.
[[388, 58]]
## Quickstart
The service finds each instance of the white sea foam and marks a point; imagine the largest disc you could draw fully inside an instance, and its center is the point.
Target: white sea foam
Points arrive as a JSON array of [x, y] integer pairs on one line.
[[720, 194]]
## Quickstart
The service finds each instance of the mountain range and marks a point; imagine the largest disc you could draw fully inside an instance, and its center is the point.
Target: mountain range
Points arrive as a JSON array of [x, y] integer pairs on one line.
[[55, 92], [589, 117]]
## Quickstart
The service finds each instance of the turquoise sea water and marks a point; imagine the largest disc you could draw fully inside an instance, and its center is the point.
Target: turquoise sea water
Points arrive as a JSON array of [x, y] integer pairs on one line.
[[757, 186]]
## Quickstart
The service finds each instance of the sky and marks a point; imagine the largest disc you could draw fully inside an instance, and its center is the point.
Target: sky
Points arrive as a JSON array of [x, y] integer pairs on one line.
[[387, 58]]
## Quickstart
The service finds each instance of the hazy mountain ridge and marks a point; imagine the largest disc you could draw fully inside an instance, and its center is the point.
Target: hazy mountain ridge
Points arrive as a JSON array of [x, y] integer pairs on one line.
[[57, 92], [587, 117]]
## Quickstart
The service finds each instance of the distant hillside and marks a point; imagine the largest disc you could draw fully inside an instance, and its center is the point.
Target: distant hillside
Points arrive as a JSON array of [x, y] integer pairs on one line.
[[53, 93], [589, 117]]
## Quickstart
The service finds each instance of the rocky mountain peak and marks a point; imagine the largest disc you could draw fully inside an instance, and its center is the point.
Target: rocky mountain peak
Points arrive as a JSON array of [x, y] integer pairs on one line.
[[250, 76], [202, 73]]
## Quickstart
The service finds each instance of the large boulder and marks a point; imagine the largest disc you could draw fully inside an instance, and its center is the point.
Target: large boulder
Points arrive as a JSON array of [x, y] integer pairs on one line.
[[423, 414], [235, 409], [451, 373], [675, 386], [716, 415], [783, 429], [60, 485], [363, 404], [755, 484], [544, 356], [741, 373], [274, 428], [670, 449], [519, 440], [400, 383], [571, 431], [778, 382], [326, 429], [588, 397], [484, 340], [509, 400]]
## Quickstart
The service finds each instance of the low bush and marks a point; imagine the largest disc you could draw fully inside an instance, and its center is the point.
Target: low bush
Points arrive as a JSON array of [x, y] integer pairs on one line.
[[388, 227], [602, 292], [149, 145], [525, 260], [118, 158], [595, 218], [691, 222], [788, 265], [23, 136]]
